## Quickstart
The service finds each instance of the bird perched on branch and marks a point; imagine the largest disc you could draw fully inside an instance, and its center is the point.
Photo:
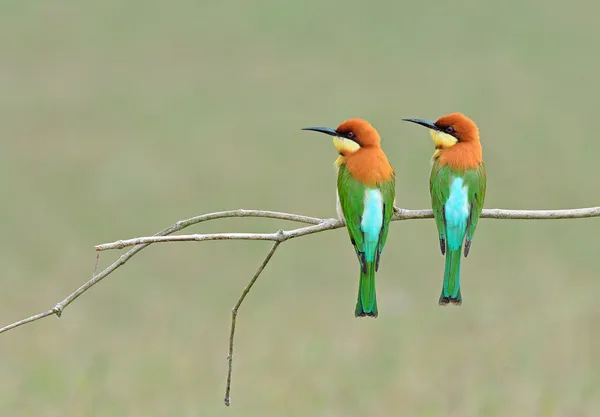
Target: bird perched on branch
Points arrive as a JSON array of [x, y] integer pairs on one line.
[[457, 186], [365, 200]]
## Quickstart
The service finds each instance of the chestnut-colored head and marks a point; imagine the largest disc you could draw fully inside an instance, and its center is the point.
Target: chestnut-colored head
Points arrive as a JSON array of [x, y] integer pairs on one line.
[[359, 131], [456, 139], [459, 127], [450, 129], [351, 135], [358, 145]]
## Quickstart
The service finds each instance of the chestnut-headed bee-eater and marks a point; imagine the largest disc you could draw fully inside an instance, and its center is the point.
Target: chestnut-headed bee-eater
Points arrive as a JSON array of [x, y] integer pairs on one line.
[[457, 186], [366, 189]]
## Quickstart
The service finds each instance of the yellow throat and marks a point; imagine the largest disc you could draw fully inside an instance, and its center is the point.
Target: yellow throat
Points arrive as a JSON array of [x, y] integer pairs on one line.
[[344, 147], [442, 141]]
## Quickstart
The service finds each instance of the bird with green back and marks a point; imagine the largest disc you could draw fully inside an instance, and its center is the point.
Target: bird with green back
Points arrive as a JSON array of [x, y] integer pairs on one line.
[[365, 200], [457, 185]]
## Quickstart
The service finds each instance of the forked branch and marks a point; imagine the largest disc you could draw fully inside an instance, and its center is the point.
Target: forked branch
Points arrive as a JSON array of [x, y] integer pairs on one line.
[[316, 225]]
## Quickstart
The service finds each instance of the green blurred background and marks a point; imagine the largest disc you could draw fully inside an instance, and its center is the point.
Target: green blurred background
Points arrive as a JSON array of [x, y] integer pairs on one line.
[[118, 118]]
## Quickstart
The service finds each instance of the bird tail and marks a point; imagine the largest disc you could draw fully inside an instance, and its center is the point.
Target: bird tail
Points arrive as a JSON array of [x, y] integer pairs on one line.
[[366, 305], [451, 287]]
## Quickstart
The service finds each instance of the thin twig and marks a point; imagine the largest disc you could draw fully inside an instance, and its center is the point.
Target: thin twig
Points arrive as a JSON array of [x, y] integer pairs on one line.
[[55, 310], [30, 319], [580, 213], [234, 316], [502, 214]]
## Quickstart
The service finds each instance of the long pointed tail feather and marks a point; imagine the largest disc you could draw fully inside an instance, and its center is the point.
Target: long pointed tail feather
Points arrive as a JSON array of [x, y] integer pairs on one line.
[[451, 288], [366, 305]]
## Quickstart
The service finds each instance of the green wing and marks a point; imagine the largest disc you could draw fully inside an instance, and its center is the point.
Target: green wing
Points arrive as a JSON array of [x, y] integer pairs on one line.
[[439, 187], [351, 194], [388, 192], [476, 180]]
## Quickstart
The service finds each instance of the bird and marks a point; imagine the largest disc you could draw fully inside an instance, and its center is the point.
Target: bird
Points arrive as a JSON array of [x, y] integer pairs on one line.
[[366, 189], [457, 185]]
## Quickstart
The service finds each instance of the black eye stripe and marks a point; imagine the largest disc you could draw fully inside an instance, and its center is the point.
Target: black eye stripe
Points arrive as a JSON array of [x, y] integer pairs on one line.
[[450, 131], [349, 135]]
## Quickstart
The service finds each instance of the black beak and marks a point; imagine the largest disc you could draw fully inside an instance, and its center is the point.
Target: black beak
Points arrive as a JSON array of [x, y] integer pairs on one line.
[[326, 130], [423, 122]]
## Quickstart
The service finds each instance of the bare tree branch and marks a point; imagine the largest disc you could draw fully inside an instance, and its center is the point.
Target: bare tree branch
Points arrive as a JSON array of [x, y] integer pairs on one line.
[[234, 316], [330, 224], [327, 224], [316, 225], [580, 213], [31, 319], [501, 214], [182, 224]]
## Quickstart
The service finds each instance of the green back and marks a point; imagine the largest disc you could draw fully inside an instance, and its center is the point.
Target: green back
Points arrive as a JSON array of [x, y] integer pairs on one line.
[[439, 186], [351, 194]]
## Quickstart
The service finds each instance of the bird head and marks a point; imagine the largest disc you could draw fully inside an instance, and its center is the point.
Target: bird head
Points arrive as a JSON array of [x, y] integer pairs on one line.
[[351, 136], [449, 130]]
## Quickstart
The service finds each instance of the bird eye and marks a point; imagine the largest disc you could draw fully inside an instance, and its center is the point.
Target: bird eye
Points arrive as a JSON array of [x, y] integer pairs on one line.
[[350, 135], [450, 130]]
